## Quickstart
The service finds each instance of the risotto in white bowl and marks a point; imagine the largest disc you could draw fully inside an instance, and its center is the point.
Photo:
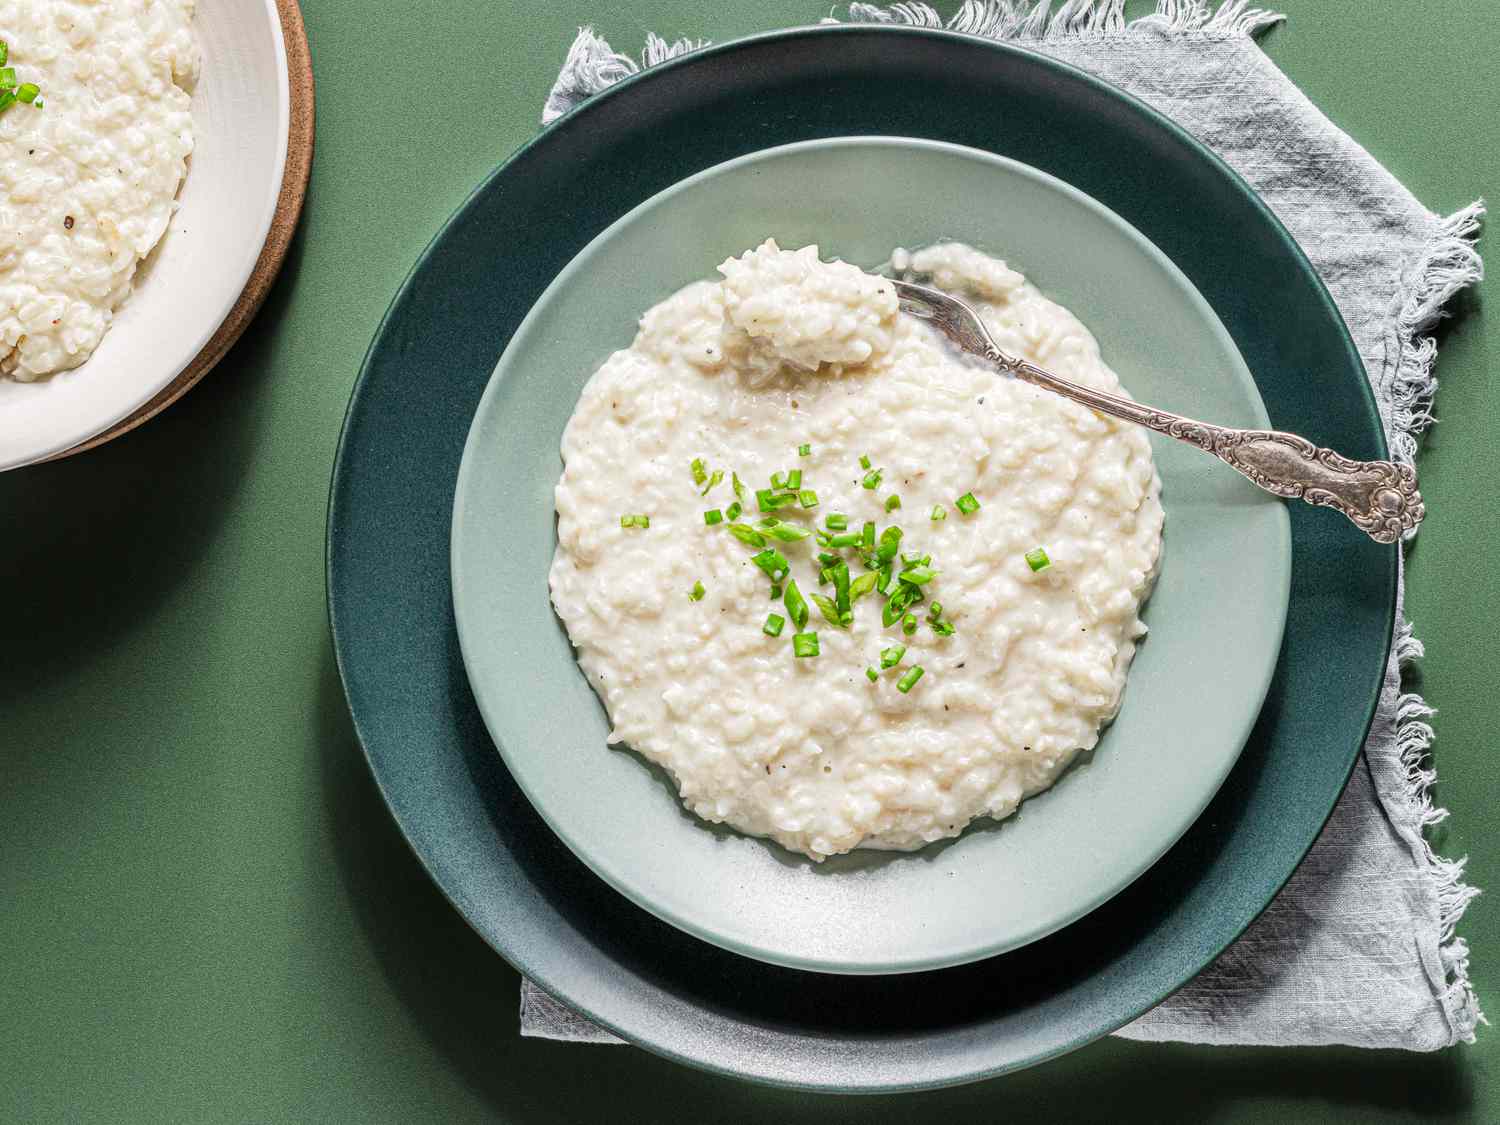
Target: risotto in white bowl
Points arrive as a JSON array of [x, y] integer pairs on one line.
[[848, 588]]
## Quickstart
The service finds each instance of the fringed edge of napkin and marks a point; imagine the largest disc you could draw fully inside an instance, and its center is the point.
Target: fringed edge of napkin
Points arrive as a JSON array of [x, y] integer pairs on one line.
[[1449, 264]]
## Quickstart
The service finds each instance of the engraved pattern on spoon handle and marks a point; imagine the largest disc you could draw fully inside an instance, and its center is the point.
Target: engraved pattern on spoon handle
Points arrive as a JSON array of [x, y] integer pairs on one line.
[[1379, 497]]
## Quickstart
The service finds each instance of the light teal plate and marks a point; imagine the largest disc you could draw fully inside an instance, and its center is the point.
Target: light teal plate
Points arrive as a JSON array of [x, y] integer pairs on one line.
[[1216, 616]]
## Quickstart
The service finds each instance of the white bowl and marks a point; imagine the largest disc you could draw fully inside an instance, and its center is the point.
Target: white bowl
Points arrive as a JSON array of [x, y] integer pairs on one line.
[[241, 115]]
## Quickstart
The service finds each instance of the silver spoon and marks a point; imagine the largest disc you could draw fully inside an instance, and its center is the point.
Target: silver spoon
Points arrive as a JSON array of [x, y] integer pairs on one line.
[[1381, 497]]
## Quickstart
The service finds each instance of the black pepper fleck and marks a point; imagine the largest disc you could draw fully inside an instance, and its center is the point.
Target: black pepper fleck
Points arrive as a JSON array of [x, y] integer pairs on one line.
[[68, 223]]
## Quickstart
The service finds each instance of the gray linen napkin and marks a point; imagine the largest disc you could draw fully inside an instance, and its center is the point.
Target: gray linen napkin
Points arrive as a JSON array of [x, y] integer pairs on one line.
[[1359, 948]]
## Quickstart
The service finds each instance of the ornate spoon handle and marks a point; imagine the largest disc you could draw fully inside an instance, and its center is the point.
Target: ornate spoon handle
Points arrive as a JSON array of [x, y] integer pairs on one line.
[[1380, 497]]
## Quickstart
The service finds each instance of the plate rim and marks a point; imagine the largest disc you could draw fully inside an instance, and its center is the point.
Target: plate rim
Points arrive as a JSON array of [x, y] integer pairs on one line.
[[341, 470], [630, 887]]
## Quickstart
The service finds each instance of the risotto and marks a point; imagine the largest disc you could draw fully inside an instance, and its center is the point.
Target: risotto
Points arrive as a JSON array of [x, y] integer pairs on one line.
[[846, 587]]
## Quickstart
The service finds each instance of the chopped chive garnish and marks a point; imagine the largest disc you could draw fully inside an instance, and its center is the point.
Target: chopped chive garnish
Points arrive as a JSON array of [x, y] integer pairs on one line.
[[28, 92], [747, 535], [841, 588], [890, 543], [768, 501], [828, 558], [898, 603], [778, 480], [635, 521], [805, 644], [943, 628], [867, 535], [864, 462], [871, 481], [7, 78], [909, 561], [892, 502], [884, 581], [697, 592], [827, 608], [837, 521], [909, 681], [918, 575], [775, 591], [847, 539], [934, 611], [794, 479], [700, 474], [732, 513], [890, 657], [872, 675], [796, 608], [713, 516], [773, 562], [769, 521], [739, 487], [713, 482], [774, 624], [788, 532], [807, 498], [1038, 559], [804, 450], [939, 512], [967, 504], [863, 585], [909, 624]]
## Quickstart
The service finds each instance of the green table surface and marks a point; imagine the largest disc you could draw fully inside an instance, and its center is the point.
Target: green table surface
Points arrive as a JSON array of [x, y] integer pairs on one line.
[[206, 913]]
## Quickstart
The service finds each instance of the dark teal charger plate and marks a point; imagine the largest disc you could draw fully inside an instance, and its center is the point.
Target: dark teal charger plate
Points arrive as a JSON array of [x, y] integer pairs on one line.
[[392, 618]]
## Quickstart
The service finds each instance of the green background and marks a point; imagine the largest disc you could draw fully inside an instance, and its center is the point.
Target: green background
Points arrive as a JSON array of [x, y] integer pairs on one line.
[[206, 913]]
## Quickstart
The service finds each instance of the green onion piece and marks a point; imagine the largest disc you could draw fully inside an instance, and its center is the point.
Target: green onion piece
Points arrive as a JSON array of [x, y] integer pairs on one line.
[[846, 539], [909, 681], [794, 478], [943, 628], [700, 474], [713, 516], [872, 675], [804, 450], [821, 536], [939, 513], [769, 521], [775, 591], [967, 504], [884, 581], [796, 608], [778, 480], [864, 462], [863, 585], [788, 532], [1038, 559], [768, 501], [807, 498], [827, 608], [697, 592], [805, 644], [635, 521], [935, 610], [837, 521], [871, 481], [7, 78], [774, 624], [918, 575], [841, 587], [890, 657], [892, 502], [890, 543], [828, 558], [867, 535], [773, 562], [909, 624], [28, 93], [739, 487], [747, 535], [897, 603], [4, 52], [732, 513], [910, 561], [825, 576], [713, 482]]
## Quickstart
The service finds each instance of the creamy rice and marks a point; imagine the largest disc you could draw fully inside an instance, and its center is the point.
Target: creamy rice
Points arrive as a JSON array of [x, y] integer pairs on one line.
[[88, 184], [808, 751]]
